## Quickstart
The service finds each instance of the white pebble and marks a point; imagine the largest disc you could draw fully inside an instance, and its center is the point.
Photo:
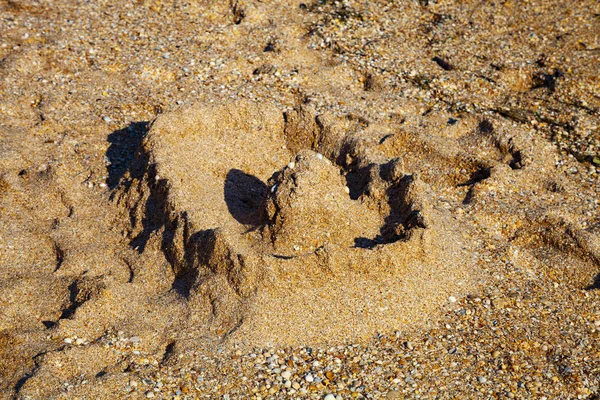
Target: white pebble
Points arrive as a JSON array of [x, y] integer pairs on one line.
[[319, 156], [309, 378], [291, 165], [347, 189], [482, 379], [452, 299], [329, 397], [286, 374], [287, 384], [79, 341], [149, 395], [106, 119], [68, 340]]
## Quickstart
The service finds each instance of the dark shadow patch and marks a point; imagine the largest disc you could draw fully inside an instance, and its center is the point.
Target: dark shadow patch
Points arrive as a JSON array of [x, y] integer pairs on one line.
[[70, 310], [245, 195], [445, 65], [169, 353], [198, 250], [517, 160], [155, 208], [21, 382], [282, 257], [478, 176], [386, 137], [595, 285], [369, 82], [469, 196], [271, 46], [357, 183], [49, 324], [402, 219], [403, 216], [120, 153], [547, 81], [485, 127], [364, 243], [238, 12], [59, 254], [81, 291]]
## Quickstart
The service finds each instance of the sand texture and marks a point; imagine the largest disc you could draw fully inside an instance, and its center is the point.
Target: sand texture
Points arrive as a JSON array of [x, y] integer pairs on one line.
[[322, 199]]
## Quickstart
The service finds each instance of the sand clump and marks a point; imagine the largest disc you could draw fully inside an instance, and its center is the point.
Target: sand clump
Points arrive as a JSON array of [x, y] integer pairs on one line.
[[262, 256]]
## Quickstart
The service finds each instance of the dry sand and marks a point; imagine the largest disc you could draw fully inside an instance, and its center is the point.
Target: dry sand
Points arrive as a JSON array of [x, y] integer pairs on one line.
[[324, 199]]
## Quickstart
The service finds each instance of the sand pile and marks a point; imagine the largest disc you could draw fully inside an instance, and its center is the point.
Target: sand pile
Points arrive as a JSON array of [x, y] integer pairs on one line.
[[274, 242]]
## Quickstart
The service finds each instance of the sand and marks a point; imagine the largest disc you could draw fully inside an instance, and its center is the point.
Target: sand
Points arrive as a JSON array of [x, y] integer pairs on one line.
[[286, 199]]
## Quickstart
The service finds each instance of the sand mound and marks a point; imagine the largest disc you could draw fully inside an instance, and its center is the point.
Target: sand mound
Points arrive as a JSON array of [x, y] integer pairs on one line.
[[272, 241]]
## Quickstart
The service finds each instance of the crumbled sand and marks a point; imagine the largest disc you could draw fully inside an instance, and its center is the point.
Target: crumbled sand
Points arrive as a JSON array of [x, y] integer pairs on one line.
[[293, 200]]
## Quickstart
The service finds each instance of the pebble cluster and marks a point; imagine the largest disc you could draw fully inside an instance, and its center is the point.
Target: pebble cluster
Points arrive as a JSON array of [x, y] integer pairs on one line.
[[515, 340]]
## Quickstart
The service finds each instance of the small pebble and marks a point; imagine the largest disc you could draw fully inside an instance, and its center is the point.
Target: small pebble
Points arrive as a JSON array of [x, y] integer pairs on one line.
[[79, 341], [309, 378], [286, 374], [149, 395], [68, 340], [291, 165], [481, 379], [106, 119], [452, 299], [347, 189], [393, 394], [329, 397]]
